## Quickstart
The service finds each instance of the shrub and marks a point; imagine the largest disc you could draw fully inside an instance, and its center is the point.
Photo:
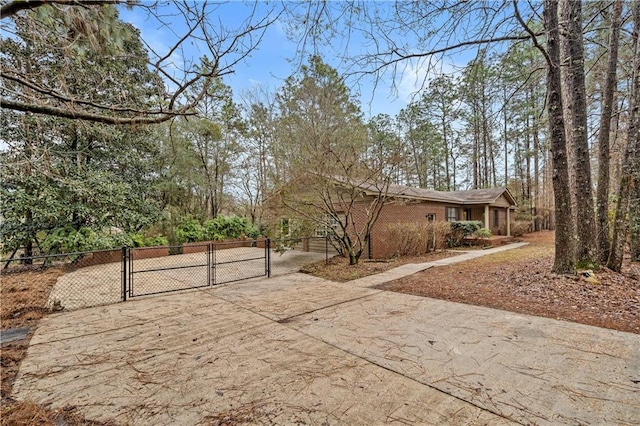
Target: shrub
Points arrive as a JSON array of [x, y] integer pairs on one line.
[[222, 227], [519, 228], [483, 233], [235, 227], [158, 240], [252, 232], [461, 229], [189, 230], [69, 240], [441, 231], [117, 240], [140, 240], [410, 238], [213, 228]]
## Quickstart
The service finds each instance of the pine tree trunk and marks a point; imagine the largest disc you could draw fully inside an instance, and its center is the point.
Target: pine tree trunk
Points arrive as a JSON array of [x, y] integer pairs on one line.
[[633, 139], [446, 155], [567, 105], [628, 203], [585, 219], [604, 160], [536, 177], [564, 245]]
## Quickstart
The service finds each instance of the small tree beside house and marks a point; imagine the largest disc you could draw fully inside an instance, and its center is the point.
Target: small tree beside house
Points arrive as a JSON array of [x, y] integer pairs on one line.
[[339, 207], [330, 158]]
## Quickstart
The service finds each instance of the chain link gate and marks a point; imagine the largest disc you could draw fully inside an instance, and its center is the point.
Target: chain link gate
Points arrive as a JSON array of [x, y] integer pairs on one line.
[[157, 270]]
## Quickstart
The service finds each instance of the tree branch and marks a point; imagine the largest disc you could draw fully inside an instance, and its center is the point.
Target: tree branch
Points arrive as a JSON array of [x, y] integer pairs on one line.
[[532, 35], [56, 95], [84, 115], [401, 57], [16, 6]]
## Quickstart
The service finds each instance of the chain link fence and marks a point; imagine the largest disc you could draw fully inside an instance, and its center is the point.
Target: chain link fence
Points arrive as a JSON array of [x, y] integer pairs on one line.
[[38, 284], [155, 270], [44, 283]]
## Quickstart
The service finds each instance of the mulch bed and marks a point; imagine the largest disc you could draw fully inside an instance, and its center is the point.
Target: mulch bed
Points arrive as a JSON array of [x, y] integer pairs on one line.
[[339, 270], [24, 295]]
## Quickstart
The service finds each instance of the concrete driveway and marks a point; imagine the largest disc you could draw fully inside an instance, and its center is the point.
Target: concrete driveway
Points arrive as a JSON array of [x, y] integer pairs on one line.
[[301, 350]]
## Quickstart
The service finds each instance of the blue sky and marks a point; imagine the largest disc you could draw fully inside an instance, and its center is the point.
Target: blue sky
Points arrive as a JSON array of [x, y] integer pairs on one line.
[[275, 58]]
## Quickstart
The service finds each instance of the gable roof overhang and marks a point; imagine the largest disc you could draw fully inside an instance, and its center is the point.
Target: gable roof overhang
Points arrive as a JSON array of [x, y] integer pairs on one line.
[[488, 196]]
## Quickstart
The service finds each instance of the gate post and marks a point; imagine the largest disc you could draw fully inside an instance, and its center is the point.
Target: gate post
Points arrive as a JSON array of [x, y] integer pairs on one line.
[[209, 253], [213, 263], [124, 273], [267, 257]]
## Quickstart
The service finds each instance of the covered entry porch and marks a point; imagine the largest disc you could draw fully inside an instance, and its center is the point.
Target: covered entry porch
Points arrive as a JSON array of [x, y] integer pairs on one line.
[[496, 218]]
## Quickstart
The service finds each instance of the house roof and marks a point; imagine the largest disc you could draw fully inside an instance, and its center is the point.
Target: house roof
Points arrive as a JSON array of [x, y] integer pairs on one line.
[[472, 196]]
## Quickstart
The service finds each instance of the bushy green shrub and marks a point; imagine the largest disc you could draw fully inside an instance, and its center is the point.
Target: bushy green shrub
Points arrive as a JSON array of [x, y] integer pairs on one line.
[[483, 233], [70, 240], [117, 240], [213, 228], [251, 231], [189, 230], [140, 240], [158, 240], [461, 229], [224, 227], [235, 226]]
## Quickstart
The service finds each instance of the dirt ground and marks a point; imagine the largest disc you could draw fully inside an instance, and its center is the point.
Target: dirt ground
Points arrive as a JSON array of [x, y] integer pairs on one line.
[[520, 281], [24, 296]]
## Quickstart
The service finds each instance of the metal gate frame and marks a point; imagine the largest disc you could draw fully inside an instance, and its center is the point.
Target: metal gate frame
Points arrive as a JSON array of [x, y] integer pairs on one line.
[[129, 272]]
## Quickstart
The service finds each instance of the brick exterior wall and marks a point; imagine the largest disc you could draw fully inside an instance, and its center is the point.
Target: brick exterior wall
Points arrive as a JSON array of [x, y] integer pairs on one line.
[[416, 212]]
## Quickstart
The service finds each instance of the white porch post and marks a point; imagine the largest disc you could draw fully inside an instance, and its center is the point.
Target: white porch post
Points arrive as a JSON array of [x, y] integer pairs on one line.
[[508, 222], [486, 216]]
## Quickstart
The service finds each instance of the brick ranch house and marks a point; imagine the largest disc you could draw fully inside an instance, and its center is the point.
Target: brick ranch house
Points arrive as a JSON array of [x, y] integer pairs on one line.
[[493, 207]]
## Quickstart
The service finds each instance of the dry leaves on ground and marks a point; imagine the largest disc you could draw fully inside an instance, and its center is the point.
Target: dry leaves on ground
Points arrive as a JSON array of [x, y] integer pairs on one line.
[[24, 296], [521, 281], [339, 270]]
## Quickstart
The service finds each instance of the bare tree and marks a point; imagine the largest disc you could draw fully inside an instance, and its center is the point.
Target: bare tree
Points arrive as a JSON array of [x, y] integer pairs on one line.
[[94, 25], [336, 179]]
